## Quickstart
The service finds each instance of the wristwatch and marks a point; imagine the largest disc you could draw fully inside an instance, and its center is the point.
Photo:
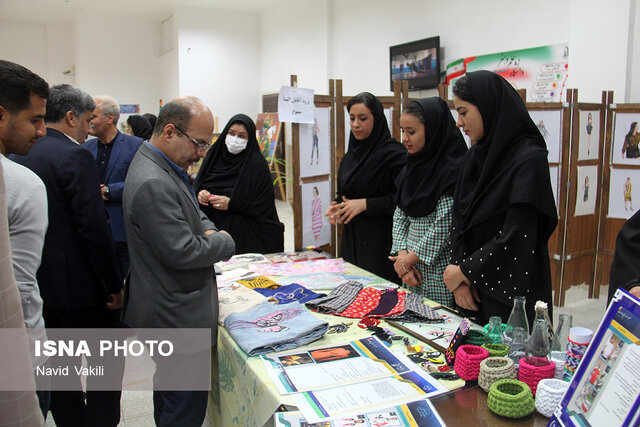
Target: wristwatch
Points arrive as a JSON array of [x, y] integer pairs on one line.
[[107, 193]]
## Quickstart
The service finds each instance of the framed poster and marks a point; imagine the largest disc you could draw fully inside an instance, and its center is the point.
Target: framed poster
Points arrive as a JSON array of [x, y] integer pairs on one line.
[[626, 135], [624, 188], [315, 148], [316, 230], [549, 123], [605, 390], [267, 132], [589, 135], [587, 190]]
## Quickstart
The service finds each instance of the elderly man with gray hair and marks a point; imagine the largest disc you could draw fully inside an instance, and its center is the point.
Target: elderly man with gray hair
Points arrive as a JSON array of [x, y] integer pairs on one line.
[[79, 278], [113, 152]]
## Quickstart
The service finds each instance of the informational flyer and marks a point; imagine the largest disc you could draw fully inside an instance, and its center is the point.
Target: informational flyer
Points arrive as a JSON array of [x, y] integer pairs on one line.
[[336, 402], [605, 390], [322, 367], [413, 414]]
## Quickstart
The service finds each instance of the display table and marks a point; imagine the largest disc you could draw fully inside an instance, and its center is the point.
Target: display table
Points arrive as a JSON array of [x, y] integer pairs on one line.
[[243, 394]]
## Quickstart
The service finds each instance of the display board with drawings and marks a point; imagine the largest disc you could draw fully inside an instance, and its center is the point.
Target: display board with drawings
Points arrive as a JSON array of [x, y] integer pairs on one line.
[[549, 123], [626, 136], [315, 148], [589, 135], [316, 230], [587, 191], [624, 188]]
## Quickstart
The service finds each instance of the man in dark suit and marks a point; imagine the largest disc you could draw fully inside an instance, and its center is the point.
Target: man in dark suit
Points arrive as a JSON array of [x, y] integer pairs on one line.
[[173, 247], [79, 278], [113, 152]]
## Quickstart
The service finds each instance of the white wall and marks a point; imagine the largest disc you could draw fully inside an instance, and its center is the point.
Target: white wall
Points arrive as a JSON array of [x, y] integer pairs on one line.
[[219, 60], [118, 57], [25, 44]]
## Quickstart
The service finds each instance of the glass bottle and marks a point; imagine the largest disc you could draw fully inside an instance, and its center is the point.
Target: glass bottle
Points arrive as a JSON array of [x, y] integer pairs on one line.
[[561, 336], [517, 347], [538, 343], [542, 312], [494, 333], [517, 319]]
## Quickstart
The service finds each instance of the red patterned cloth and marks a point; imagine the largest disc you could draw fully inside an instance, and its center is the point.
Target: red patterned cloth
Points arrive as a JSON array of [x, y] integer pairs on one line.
[[366, 301]]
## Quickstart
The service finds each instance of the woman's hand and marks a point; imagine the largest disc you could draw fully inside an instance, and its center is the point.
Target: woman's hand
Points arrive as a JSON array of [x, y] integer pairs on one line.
[[333, 212], [453, 277], [413, 278], [401, 263], [219, 202], [203, 197], [349, 209], [466, 297]]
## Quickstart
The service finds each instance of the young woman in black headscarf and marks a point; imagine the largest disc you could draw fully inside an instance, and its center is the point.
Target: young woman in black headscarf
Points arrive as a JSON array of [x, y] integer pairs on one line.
[[366, 187], [140, 126], [625, 270], [425, 187], [235, 189], [504, 211]]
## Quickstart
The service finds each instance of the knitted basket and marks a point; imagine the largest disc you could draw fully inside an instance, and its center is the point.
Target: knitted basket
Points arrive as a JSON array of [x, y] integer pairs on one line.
[[475, 337], [468, 358], [534, 369], [493, 369], [549, 395], [510, 398], [496, 350]]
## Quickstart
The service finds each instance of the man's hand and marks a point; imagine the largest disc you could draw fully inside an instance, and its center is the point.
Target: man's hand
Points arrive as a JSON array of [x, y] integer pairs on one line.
[[114, 301]]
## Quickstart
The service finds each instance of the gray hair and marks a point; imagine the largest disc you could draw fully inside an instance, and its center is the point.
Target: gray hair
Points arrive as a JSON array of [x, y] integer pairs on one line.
[[109, 106], [64, 98]]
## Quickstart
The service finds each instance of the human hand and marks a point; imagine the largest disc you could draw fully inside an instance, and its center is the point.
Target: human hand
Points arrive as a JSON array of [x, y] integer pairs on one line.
[[332, 212], [114, 301], [103, 190], [453, 277], [219, 202], [635, 291], [350, 208], [203, 197], [466, 297], [209, 232], [400, 264], [413, 278]]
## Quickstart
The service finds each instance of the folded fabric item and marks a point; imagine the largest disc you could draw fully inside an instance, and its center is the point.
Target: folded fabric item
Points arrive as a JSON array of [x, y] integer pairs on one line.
[[415, 310], [290, 293], [236, 298], [259, 282], [338, 300], [366, 300], [241, 261], [391, 302], [268, 328]]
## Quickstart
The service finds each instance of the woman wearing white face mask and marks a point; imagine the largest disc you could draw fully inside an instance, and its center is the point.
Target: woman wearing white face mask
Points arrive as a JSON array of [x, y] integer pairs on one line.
[[235, 189]]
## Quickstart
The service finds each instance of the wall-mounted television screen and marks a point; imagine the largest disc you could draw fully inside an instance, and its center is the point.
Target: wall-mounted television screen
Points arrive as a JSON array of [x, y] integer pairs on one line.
[[418, 62]]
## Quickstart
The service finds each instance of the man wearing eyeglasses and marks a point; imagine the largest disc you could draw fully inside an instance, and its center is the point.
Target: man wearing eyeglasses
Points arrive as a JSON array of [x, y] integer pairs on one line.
[[172, 245]]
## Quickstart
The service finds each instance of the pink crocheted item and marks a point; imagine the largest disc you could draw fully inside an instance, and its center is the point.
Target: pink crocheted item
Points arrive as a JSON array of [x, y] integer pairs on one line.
[[534, 369], [468, 359]]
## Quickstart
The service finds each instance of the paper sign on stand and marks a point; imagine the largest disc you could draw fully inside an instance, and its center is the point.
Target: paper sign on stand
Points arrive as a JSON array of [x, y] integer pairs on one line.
[[295, 105]]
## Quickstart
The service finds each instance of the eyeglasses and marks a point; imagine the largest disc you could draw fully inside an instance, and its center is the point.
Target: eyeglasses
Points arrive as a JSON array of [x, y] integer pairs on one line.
[[201, 146]]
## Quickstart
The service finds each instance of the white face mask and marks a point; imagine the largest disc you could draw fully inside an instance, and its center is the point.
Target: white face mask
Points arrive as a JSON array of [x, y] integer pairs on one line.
[[235, 144]]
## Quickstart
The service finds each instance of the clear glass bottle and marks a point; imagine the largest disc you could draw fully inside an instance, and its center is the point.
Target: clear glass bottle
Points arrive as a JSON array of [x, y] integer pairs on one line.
[[561, 336], [538, 343], [517, 319], [494, 333], [517, 347], [542, 312]]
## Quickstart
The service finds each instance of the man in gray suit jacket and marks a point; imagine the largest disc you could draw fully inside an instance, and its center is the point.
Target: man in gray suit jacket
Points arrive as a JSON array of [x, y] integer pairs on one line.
[[172, 244]]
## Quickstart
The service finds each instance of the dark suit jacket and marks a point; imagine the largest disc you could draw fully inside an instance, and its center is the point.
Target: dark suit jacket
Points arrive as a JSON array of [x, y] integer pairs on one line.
[[79, 264], [124, 148], [172, 281]]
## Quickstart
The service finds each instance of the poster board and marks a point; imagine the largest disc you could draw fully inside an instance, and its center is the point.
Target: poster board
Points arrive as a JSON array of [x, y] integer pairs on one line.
[[626, 134], [268, 129], [316, 230], [605, 389], [315, 144]]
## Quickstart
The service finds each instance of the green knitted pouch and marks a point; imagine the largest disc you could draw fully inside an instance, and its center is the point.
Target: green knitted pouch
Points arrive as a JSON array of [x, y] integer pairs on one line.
[[511, 398]]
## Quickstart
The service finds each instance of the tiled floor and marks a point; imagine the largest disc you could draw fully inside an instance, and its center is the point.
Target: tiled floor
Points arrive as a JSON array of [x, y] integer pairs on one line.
[[137, 406]]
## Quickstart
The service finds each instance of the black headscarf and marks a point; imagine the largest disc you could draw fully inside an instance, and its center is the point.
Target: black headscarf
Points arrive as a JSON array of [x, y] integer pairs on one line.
[[508, 165], [433, 171], [220, 169], [625, 270], [361, 167], [140, 126]]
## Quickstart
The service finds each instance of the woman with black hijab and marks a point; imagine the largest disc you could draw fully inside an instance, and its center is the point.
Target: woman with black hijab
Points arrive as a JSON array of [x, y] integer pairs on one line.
[[366, 188], [625, 270], [235, 190], [425, 187], [504, 211], [140, 127]]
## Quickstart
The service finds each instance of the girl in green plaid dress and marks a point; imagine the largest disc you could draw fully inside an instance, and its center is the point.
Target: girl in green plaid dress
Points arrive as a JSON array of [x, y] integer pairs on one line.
[[425, 197]]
